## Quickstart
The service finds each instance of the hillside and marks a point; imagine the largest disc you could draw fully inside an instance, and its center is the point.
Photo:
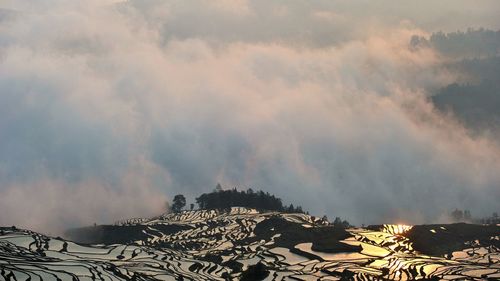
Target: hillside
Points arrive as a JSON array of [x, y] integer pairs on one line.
[[242, 244]]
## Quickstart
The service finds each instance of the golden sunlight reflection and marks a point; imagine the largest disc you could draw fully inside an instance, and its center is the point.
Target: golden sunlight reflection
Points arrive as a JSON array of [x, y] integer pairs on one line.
[[396, 229]]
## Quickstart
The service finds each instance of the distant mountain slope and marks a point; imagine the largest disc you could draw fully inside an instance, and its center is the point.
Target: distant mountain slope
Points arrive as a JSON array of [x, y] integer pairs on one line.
[[239, 244], [473, 43], [477, 106], [474, 57]]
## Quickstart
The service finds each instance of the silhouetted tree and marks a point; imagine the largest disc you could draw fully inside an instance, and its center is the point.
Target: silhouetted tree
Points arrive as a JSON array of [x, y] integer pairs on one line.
[[457, 215], [346, 224], [467, 215], [338, 222], [260, 200], [178, 203], [191, 206]]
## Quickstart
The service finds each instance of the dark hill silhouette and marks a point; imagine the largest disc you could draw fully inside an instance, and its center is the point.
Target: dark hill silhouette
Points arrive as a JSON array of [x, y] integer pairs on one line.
[[443, 239]]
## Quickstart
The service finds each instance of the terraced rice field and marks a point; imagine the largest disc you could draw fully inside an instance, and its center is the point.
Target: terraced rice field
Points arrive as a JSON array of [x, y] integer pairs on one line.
[[212, 245]]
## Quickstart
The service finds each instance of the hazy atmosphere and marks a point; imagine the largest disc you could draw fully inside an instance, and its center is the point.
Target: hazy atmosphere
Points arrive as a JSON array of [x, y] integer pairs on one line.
[[109, 108]]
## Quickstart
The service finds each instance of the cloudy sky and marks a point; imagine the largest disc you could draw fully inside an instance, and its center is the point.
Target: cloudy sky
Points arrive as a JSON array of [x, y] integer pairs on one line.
[[109, 108]]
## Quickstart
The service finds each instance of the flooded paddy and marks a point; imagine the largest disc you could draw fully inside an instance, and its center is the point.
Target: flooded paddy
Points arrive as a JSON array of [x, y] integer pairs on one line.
[[211, 245]]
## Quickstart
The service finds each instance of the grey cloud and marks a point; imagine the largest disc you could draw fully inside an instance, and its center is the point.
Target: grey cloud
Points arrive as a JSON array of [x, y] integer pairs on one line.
[[141, 100]]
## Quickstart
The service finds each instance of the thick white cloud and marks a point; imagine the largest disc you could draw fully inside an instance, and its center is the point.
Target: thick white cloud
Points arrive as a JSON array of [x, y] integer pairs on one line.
[[107, 108]]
